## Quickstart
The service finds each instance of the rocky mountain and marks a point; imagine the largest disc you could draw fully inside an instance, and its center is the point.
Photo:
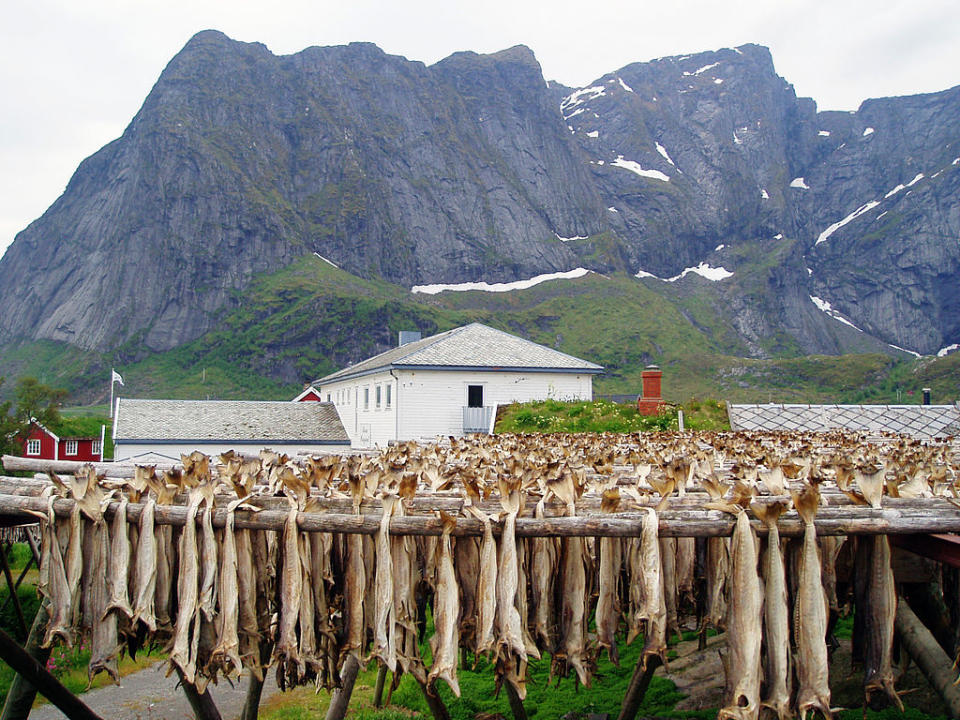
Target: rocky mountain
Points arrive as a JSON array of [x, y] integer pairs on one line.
[[829, 231]]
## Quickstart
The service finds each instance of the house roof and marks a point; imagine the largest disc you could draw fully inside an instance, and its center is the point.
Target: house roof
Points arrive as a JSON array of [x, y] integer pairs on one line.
[[228, 421], [925, 421], [473, 347]]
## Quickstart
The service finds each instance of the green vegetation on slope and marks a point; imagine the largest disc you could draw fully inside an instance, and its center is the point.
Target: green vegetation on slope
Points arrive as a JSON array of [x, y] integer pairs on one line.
[[309, 319]]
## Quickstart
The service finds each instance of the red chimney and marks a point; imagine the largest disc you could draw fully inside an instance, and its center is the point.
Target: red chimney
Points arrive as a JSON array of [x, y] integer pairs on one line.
[[650, 402]]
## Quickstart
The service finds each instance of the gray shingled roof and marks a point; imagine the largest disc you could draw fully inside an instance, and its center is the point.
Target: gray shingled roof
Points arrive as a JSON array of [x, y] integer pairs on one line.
[[228, 420], [473, 346], [923, 421]]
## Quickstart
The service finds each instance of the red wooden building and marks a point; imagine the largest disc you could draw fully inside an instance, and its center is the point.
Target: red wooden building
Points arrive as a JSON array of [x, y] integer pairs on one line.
[[42, 442]]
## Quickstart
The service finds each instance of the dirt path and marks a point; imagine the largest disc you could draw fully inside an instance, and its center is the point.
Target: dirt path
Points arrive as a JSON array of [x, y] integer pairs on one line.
[[148, 695]]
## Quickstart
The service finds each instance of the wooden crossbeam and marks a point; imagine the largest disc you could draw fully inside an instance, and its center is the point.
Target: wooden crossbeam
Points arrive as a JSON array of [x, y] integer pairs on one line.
[[935, 546]]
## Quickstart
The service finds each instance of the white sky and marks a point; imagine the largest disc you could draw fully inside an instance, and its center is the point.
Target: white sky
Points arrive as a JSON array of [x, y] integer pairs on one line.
[[74, 72]]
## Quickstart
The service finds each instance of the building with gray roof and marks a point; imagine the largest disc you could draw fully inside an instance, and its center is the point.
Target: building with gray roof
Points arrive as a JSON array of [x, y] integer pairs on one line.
[[165, 429]]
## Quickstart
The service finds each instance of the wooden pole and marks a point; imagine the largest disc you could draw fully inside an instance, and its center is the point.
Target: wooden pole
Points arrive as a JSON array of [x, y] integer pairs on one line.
[[204, 708], [378, 689], [642, 674], [516, 704], [933, 662], [938, 516], [340, 698], [37, 675], [434, 701], [251, 702], [22, 692], [13, 592]]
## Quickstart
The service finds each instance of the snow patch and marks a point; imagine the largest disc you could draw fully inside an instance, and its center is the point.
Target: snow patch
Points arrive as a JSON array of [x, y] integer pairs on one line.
[[738, 51], [809, 272], [718, 81], [893, 192], [909, 352], [666, 156], [868, 131], [799, 183], [915, 180], [624, 85], [849, 218], [329, 262], [944, 351], [736, 140], [825, 307], [763, 194], [635, 167], [956, 161], [719, 247], [581, 95], [574, 113], [568, 239], [499, 287], [595, 133], [704, 270], [613, 209], [778, 236], [702, 70], [824, 133]]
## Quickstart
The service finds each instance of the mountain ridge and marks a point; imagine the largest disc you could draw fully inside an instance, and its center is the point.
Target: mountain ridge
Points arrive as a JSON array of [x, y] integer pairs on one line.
[[474, 168]]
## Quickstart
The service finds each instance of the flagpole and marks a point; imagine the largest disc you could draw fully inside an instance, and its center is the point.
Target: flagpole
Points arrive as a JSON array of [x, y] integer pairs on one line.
[[113, 376]]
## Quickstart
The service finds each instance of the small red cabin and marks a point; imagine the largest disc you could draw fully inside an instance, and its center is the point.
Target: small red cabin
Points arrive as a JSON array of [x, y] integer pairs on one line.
[[43, 443]]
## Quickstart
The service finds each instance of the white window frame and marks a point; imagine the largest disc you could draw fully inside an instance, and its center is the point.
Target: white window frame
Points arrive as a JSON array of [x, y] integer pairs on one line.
[[378, 395], [366, 397], [95, 447], [70, 447], [388, 400], [33, 446]]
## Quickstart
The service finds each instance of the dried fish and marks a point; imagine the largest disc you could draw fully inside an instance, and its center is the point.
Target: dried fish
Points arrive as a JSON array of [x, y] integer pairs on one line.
[[776, 616], [608, 601], [744, 626], [55, 587], [446, 606], [486, 596], [354, 591], [286, 652], [384, 628], [668, 562], [145, 569], [119, 599], [104, 644], [876, 598], [543, 563], [185, 628], [717, 569], [226, 654], [810, 615]]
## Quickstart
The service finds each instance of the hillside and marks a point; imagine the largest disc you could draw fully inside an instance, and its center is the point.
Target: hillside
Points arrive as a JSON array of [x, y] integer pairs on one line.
[[735, 234]]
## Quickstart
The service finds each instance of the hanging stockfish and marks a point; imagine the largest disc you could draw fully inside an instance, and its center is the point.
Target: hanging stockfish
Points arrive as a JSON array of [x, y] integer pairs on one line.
[[226, 654], [289, 663], [467, 564], [104, 643], [685, 567], [608, 601], [668, 561], [543, 563], [653, 610], [810, 615], [385, 631], [307, 621], [486, 596], [53, 584], [321, 546], [145, 568], [119, 599], [406, 574], [355, 579], [446, 607], [778, 674], [166, 489], [182, 653], [744, 626], [523, 607], [876, 599]]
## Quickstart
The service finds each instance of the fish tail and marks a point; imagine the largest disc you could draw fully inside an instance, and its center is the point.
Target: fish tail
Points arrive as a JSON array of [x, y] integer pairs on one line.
[[769, 513], [806, 502]]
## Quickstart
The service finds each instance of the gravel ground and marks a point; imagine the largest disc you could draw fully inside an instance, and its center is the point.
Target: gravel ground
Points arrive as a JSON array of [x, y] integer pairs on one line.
[[148, 695]]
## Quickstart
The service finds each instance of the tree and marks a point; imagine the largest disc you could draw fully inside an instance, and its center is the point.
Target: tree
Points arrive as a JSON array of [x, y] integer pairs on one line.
[[9, 429], [36, 401]]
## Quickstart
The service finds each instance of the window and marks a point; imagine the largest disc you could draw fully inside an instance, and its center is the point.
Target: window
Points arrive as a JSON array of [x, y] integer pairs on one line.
[[388, 398], [328, 397], [378, 392], [33, 447], [366, 398], [95, 447], [70, 447], [474, 395]]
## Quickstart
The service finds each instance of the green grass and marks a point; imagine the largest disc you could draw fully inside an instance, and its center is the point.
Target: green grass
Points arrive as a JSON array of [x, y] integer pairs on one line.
[[604, 416]]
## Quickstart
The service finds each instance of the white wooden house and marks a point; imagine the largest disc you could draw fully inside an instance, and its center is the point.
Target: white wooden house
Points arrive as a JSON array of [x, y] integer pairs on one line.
[[449, 384], [162, 430]]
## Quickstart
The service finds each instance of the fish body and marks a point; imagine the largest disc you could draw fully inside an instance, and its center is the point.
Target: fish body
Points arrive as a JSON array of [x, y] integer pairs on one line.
[[744, 626], [778, 673], [119, 599], [385, 634], [145, 569], [446, 604], [876, 595], [810, 616]]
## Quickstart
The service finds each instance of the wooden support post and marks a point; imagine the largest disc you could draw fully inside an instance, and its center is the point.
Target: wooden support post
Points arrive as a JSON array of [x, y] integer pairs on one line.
[[639, 683], [204, 708], [516, 704], [19, 581], [341, 696], [378, 690], [22, 692], [926, 652], [33, 546], [251, 702], [13, 592], [434, 702], [18, 658]]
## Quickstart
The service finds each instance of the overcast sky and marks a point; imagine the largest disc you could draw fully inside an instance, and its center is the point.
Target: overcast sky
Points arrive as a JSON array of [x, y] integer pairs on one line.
[[74, 72]]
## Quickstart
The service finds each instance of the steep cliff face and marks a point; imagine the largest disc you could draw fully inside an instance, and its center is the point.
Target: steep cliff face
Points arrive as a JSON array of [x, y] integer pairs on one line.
[[474, 168]]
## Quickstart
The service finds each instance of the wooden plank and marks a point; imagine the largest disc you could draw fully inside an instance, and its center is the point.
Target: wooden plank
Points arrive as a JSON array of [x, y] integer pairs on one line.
[[936, 546]]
